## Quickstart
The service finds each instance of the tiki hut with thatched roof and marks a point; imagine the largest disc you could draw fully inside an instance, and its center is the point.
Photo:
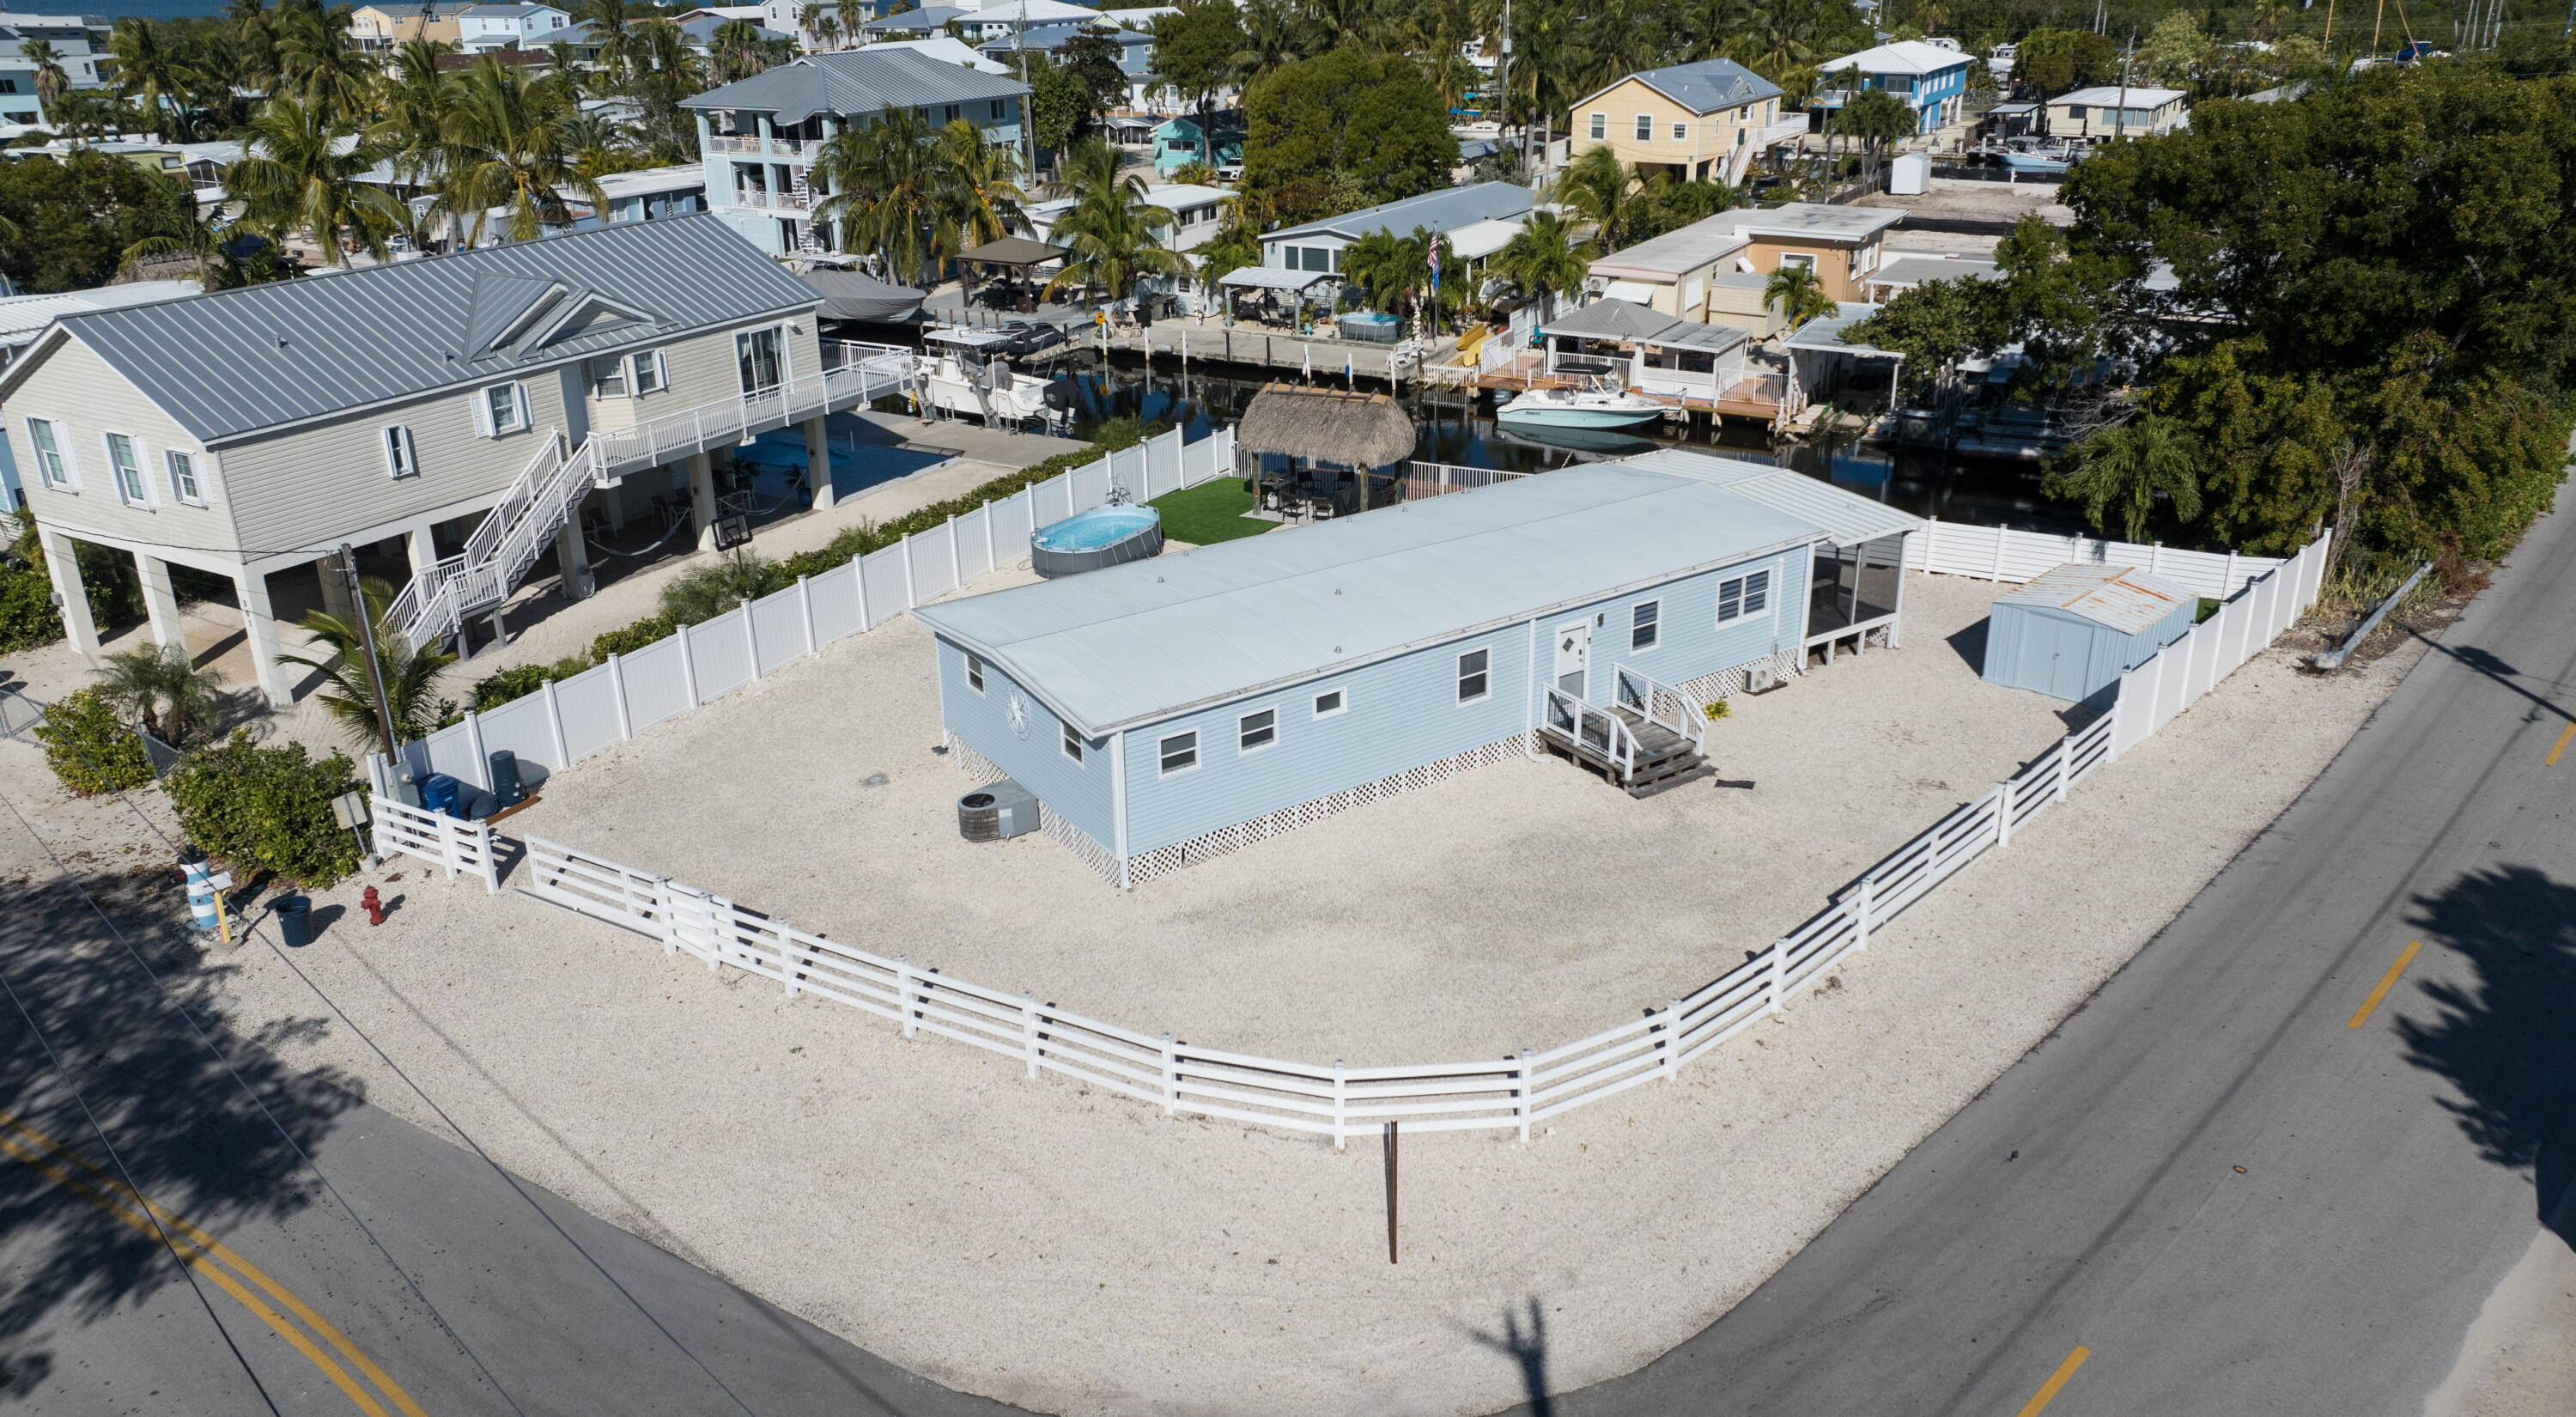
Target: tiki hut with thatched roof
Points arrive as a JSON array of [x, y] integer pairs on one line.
[[1307, 447]]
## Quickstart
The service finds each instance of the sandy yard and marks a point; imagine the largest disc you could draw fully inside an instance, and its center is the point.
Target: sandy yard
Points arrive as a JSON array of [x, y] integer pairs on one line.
[[1521, 905], [1072, 1251]]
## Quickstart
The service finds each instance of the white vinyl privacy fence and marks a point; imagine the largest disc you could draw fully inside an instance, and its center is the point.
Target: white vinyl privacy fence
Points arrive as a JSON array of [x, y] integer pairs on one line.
[[1512, 1092], [571, 719], [1994, 553]]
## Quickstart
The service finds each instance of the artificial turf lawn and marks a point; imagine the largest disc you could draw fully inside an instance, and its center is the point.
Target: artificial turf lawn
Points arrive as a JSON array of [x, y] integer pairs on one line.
[[1208, 513]]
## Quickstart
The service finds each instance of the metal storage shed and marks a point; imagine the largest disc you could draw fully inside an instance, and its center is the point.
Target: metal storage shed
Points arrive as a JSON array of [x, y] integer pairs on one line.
[[2071, 633]]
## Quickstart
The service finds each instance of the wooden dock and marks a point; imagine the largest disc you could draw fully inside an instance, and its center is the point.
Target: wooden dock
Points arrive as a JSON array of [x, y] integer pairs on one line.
[[1322, 356]]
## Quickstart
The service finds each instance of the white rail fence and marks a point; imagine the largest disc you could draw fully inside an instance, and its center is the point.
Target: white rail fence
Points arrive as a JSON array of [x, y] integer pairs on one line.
[[1495, 1093], [1994, 553], [571, 719], [458, 847]]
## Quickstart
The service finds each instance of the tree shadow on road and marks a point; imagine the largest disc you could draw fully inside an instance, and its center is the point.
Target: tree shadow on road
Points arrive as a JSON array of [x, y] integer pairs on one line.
[[1524, 1341], [106, 1045], [2508, 1043]]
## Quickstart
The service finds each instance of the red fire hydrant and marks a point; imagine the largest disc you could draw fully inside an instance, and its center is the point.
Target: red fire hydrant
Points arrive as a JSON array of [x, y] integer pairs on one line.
[[375, 906]]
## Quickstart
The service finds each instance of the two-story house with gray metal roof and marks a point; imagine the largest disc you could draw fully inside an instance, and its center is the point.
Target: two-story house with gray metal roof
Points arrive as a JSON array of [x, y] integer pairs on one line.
[[761, 136], [462, 408]]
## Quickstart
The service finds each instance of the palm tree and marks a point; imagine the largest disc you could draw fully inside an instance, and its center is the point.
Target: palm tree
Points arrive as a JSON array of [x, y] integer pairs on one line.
[[418, 98], [254, 41], [977, 197], [599, 144], [1608, 192], [1799, 294], [147, 68], [737, 50], [852, 14], [51, 79], [884, 186], [612, 23], [1543, 258], [1878, 119], [175, 700], [294, 175], [319, 62], [827, 31], [1114, 234], [806, 15], [507, 143], [410, 675], [200, 235], [667, 71], [2126, 468]]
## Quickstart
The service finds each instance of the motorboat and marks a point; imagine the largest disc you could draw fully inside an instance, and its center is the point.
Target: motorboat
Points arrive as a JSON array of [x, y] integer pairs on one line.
[[1594, 407], [966, 372], [2037, 161]]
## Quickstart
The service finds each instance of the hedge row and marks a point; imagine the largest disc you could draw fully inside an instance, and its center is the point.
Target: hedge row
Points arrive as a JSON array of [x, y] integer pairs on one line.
[[706, 591]]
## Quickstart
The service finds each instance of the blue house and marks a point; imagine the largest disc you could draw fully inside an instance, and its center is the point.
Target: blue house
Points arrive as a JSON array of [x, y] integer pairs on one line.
[[1932, 80], [2072, 632], [1180, 707]]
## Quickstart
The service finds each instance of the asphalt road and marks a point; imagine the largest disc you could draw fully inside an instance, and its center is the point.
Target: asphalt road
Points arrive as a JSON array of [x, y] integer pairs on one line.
[[2209, 1180], [338, 1260]]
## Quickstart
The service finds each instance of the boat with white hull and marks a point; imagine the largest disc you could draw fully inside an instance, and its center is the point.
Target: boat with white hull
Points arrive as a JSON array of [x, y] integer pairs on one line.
[[959, 377], [1579, 408]]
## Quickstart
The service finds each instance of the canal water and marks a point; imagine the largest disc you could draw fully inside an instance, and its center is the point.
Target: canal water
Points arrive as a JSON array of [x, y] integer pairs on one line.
[[1457, 426]]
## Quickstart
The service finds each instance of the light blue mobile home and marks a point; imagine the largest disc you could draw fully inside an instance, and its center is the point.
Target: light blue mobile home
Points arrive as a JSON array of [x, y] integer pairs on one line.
[[2072, 632], [1175, 708]]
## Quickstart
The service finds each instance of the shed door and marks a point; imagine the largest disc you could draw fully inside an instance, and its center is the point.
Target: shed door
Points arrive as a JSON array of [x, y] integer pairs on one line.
[[2065, 656], [1573, 656]]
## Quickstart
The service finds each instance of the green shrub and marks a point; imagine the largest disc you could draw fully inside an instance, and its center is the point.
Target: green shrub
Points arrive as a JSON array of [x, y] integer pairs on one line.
[[267, 809], [650, 630], [89, 747], [27, 617], [519, 681], [701, 593]]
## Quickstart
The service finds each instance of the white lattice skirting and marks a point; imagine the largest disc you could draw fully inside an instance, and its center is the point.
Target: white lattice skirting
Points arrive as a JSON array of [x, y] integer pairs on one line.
[[1727, 683]]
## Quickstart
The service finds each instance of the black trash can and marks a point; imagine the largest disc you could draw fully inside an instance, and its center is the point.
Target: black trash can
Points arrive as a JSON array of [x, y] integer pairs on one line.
[[505, 779], [294, 920]]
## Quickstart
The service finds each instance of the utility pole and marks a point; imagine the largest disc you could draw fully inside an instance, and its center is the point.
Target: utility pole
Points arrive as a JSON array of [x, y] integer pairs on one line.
[[2120, 124], [367, 640], [1505, 85], [1028, 109]]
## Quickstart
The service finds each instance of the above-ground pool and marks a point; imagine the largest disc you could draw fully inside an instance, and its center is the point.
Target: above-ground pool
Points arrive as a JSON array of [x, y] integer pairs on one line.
[[1372, 326], [1103, 536]]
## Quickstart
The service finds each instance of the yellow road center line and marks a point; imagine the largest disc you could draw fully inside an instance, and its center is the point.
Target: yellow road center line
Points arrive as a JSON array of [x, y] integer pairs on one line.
[[2559, 747], [224, 1254], [2387, 982], [2048, 1390]]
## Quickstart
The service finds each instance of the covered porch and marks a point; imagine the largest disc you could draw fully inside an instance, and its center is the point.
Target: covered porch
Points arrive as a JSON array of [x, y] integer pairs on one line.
[[1855, 592]]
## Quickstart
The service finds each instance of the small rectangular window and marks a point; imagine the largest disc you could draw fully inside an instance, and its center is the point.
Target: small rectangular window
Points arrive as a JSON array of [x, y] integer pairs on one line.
[[183, 478], [49, 453], [129, 473], [1600, 125], [1645, 625], [608, 378], [501, 410], [1179, 753], [1472, 679], [1730, 600], [1645, 127], [1757, 592], [1681, 132], [648, 374], [756, 351], [399, 459], [1000, 110], [1255, 731], [974, 674], [1329, 702], [1072, 743], [1745, 595]]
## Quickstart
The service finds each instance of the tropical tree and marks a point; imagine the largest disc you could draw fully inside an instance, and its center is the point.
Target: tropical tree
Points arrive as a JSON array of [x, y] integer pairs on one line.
[[667, 71], [1194, 50], [174, 699], [1799, 294], [806, 15], [319, 61], [295, 175], [1609, 193], [613, 24], [1543, 258], [2125, 469], [852, 14], [885, 185], [507, 143], [827, 31], [410, 675], [254, 38], [418, 98], [1114, 233], [199, 236], [51, 78], [976, 192], [1876, 119], [737, 50], [148, 69]]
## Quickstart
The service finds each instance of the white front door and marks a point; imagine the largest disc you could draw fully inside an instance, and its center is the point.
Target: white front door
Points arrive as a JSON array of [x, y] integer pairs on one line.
[[1573, 656]]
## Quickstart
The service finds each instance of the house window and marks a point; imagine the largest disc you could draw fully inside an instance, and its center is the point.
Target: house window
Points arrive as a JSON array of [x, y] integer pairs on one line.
[[974, 674], [1600, 125], [2074, 113], [757, 352], [1179, 753], [1256, 731], [1645, 625], [1742, 596], [401, 459], [503, 408], [49, 453], [949, 115], [1472, 679], [608, 378], [1001, 110], [1072, 743], [129, 473], [1808, 262], [1318, 258], [1329, 703], [1681, 132], [647, 373], [183, 478], [1645, 127]]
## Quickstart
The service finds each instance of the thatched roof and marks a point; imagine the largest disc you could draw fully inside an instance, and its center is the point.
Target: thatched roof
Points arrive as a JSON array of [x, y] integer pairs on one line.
[[1326, 425]]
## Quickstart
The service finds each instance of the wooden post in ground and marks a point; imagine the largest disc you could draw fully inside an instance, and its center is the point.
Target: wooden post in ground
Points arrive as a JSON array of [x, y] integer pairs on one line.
[[1390, 1191]]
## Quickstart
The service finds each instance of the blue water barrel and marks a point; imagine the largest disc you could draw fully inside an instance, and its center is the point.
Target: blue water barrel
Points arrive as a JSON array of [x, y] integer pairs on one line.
[[441, 793]]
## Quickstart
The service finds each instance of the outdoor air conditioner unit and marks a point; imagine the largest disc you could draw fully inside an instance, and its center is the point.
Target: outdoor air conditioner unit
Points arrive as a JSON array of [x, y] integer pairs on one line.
[[997, 813], [1761, 679]]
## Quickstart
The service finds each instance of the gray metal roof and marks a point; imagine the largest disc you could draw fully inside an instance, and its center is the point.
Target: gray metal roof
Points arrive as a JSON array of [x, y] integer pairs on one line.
[[1911, 269], [1676, 252], [1136, 643], [927, 17], [1707, 86], [853, 82], [2122, 597], [1824, 334], [238, 361], [1611, 319], [1844, 518], [1443, 211]]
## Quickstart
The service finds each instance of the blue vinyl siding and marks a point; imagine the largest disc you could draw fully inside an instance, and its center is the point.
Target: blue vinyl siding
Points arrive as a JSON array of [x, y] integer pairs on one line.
[[1078, 792], [1402, 713]]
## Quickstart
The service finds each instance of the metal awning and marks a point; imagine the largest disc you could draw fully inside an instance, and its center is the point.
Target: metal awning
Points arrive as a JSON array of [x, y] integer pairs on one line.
[[1013, 251], [1274, 278], [1683, 334], [1825, 335]]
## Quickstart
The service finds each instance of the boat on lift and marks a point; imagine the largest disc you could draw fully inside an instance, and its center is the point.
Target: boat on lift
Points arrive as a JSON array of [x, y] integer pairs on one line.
[[1594, 406], [965, 371], [2034, 160]]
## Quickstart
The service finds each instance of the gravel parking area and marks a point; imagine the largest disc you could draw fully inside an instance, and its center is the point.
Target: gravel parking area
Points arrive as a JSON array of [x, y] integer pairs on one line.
[[1521, 905], [1075, 1252]]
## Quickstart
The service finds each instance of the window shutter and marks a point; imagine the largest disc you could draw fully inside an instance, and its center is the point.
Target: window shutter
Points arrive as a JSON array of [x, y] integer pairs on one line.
[[661, 371], [483, 412], [520, 392], [411, 454]]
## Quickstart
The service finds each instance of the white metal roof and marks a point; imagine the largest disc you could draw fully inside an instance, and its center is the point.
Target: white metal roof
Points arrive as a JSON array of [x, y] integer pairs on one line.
[[1796, 220], [1906, 56], [2108, 96], [1484, 238], [2123, 597], [1844, 518], [1274, 278], [1913, 268], [1141, 642]]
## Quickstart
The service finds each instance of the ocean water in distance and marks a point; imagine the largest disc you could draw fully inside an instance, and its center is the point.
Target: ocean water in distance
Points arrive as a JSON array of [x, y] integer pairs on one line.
[[146, 9]]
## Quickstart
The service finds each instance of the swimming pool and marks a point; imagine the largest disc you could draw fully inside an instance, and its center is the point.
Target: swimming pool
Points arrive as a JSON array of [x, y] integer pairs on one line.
[[1102, 536]]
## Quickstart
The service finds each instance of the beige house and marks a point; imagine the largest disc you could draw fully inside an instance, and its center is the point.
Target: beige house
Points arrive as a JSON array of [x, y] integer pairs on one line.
[[2109, 113], [249, 433], [1703, 122], [378, 27], [1713, 271]]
